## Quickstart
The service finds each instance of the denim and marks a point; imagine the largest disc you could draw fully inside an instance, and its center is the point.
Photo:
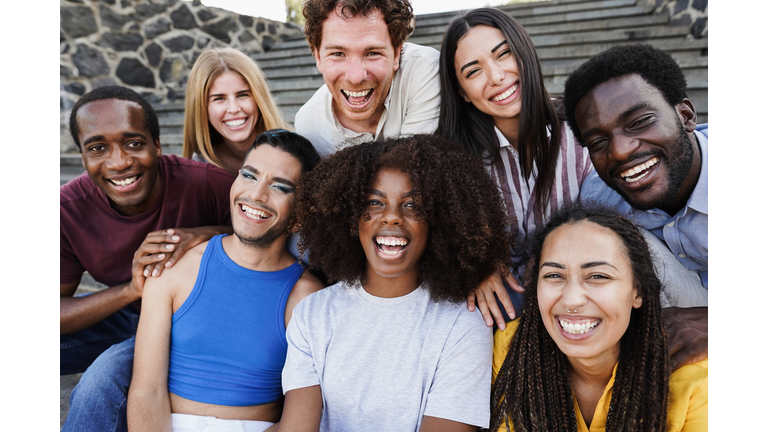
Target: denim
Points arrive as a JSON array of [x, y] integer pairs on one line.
[[99, 401]]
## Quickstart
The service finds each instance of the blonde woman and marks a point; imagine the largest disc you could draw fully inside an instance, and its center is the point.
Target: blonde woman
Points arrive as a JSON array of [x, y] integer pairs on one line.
[[227, 105]]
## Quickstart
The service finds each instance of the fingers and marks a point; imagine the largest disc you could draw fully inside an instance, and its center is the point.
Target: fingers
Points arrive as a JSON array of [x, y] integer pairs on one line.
[[514, 284], [471, 301]]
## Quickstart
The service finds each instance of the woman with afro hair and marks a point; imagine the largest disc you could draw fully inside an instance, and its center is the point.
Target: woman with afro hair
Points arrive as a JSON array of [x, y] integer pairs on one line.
[[408, 227], [589, 352]]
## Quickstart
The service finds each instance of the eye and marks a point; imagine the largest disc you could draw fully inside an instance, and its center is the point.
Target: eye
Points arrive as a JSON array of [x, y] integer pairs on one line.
[[599, 277], [336, 54], [248, 175], [283, 188], [504, 53], [471, 73], [134, 144], [244, 95], [641, 122], [373, 54], [373, 203], [597, 145], [410, 205], [553, 276], [97, 148]]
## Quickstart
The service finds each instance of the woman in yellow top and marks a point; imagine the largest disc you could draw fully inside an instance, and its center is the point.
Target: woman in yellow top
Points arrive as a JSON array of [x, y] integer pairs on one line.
[[589, 352], [227, 105]]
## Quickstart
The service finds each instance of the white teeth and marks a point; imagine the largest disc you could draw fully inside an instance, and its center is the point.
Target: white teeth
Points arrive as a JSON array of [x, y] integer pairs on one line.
[[355, 93], [253, 213], [391, 241], [578, 328], [506, 94], [125, 182], [234, 123], [639, 168]]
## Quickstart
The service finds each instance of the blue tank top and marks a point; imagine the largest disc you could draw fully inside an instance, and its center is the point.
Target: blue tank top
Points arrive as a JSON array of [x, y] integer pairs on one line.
[[228, 338]]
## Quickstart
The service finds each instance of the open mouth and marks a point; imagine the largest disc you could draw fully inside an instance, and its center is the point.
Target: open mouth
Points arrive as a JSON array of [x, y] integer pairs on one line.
[[578, 328], [391, 246], [235, 123], [360, 97], [124, 182], [636, 173], [254, 213], [506, 94]]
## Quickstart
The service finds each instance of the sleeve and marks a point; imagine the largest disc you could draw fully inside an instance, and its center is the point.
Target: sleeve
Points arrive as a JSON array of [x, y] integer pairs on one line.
[[219, 183], [423, 109], [461, 389], [501, 341], [299, 370], [70, 267], [689, 398]]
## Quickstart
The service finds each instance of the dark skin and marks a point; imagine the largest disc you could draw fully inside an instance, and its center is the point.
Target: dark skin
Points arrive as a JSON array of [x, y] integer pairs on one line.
[[625, 122], [116, 145]]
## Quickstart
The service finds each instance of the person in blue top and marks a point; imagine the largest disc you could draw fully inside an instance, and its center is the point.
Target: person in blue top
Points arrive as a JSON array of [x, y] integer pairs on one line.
[[628, 106], [210, 345]]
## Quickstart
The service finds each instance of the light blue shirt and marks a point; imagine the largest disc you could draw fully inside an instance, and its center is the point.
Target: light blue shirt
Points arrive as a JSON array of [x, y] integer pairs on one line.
[[685, 233]]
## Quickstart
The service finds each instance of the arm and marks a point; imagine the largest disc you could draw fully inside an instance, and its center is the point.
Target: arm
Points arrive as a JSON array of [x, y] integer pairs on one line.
[[486, 302], [149, 406], [306, 285], [77, 313], [686, 335], [303, 410], [434, 424]]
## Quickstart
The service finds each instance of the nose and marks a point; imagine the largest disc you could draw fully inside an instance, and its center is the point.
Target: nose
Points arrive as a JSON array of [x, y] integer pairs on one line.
[[260, 192], [118, 159], [356, 71], [574, 296], [495, 74], [622, 147], [392, 216], [233, 106]]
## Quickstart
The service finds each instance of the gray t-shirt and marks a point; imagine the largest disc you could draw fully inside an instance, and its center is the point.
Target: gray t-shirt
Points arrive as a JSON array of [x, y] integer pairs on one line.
[[384, 363]]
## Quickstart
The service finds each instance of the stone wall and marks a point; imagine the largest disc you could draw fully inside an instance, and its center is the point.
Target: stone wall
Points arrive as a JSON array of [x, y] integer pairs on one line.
[[149, 45], [691, 13]]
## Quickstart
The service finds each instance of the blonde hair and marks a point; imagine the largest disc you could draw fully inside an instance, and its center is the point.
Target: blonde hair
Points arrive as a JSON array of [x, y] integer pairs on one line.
[[199, 135]]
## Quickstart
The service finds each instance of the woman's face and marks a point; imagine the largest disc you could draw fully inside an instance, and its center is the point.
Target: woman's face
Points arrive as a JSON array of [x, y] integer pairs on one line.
[[392, 238], [232, 110], [487, 73], [585, 290]]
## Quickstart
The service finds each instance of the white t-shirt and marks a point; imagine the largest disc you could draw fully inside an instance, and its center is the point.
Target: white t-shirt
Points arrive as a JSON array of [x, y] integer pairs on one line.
[[384, 363], [411, 107]]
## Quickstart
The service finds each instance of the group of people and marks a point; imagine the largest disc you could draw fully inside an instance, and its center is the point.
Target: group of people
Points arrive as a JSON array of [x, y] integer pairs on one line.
[[442, 196]]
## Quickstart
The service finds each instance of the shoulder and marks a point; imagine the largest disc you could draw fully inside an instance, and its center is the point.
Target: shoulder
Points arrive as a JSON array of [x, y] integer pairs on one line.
[[688, 398], [692, 374], [306, 285], [413, 53], [321, 100], [703, 129], [595, 189], [81, 187], [186, 267], [193, 172]]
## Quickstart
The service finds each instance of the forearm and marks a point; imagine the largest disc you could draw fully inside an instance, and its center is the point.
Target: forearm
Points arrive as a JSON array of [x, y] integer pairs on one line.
[[77, 313], [149, 410]]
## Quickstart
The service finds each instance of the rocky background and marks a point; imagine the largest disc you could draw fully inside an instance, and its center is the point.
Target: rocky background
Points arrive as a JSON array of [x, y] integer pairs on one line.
[[691, 13], [148, 45]]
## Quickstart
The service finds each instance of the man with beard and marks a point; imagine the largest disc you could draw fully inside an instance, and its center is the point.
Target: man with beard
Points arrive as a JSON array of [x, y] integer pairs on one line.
[[628, 106], [211, 344], [376, 85]]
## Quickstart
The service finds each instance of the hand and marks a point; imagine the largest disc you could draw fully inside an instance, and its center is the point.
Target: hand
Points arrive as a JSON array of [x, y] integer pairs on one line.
[[686, 335], [487, 302], [172, 244]]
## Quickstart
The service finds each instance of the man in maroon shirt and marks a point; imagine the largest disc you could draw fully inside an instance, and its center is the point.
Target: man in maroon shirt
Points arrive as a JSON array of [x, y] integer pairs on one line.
[[131, 214]]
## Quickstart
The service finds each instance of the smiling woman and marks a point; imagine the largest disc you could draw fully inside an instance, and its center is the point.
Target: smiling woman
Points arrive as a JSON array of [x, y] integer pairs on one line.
[[590, 350], [227, 105]]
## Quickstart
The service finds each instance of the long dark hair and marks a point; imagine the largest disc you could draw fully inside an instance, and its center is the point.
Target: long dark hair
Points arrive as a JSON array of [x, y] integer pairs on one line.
[[533, 390], [462, 122]]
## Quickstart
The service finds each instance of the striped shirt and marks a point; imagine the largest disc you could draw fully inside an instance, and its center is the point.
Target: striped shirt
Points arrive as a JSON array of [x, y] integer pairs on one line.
[[573, 166]]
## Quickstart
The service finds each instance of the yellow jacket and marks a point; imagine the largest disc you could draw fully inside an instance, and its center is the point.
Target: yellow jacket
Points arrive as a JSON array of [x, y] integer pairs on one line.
[[688, 400]]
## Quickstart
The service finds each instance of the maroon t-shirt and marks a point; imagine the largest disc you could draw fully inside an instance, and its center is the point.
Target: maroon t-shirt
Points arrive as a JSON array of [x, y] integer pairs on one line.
[[94, 237]]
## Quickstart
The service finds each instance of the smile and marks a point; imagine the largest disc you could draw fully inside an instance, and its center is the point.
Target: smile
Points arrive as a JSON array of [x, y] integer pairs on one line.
[[124, 182], [506, 94], [391, 246], [353, 96], [254, 213], [638, 172], [235, 123], [578, 328]]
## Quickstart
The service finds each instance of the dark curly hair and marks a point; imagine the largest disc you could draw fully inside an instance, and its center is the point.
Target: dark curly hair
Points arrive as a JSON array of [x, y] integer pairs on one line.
[[396, 13], [114, 92], [655, 66], [469, 233], [533, 390]]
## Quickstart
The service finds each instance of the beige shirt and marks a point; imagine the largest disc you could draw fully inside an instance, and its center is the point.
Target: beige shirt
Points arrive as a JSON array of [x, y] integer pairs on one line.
[[411, 107]]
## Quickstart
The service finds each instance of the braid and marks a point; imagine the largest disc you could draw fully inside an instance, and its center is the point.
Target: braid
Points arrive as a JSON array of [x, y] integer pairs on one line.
[[533, 390]]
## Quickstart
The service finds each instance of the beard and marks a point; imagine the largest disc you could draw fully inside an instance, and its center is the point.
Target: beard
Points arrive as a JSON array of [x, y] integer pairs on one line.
[[265, 240], [678, 160]]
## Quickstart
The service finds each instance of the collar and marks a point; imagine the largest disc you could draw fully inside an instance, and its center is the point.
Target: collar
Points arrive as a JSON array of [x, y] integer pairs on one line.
[[699, 199]]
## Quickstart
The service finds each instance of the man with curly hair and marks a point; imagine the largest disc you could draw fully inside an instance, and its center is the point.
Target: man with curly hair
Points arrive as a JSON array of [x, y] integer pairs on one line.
[[409, 227], [628, 106], [376, 84]]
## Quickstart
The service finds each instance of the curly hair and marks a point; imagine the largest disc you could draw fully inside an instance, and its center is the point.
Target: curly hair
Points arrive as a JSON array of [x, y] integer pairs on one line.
[[114, 92], [469, 232], [533, 390], [397, 15], [655, 66], [462, 122]]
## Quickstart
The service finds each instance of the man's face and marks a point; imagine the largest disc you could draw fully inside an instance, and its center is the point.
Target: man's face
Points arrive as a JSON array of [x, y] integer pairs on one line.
[[358, 63], [262, 196], [640, 145], [119, 154]]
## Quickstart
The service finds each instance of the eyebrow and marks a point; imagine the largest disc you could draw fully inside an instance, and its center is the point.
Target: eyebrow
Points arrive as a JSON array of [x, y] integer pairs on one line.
[[583, 266], [343, 48], [474, 62], [125, 135], [222, 94], [277, 179], [377, 192]]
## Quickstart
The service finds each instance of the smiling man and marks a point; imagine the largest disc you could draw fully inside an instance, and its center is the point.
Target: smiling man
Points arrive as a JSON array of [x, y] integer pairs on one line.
[[211, 342], [132, 210], [376, 85]]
